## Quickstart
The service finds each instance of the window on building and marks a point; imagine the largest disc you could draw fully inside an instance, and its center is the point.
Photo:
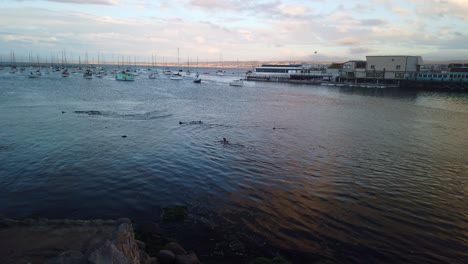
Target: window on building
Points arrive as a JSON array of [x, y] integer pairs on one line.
[[398, 67], [445, 76], [372, 67], [399, 75]]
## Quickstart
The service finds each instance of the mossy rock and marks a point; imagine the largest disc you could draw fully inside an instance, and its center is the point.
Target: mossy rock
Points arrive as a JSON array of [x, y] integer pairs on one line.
[[324, 261], [275, 260], [280, 260], [261, 260], [176, 213]]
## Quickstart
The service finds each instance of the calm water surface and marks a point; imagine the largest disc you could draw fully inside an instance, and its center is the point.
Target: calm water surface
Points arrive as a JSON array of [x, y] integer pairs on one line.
[[357, 176]]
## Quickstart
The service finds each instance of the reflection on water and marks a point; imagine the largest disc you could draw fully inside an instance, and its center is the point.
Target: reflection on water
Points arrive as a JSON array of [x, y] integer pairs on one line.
[[355, 175]]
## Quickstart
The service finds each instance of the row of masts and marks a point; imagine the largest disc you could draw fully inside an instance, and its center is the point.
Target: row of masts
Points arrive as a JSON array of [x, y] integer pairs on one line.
[[67, 60]]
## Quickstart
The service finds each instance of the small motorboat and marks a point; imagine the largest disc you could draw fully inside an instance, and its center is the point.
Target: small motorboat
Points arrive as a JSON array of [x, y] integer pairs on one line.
[[197, 79], [239, 82]]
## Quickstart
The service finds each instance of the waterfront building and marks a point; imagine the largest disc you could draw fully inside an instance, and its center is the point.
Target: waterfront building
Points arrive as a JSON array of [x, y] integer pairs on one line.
[[393, 67], [354, 69], [335, 70]]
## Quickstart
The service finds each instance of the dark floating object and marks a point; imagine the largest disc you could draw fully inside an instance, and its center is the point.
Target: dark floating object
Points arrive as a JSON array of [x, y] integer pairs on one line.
[[63, 112], [124, 136], [274, 128], [92, 112], [191, 122], [225, 141]]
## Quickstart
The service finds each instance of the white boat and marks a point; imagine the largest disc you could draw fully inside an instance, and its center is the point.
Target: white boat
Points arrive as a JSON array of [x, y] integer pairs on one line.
[[197, 78], [167, 72], [239, 82], [176, 76], [124, 76], [152, 76], [220, 72]]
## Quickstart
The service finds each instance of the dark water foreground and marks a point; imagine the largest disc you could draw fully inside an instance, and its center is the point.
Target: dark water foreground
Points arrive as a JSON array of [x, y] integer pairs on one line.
[[357, 176]]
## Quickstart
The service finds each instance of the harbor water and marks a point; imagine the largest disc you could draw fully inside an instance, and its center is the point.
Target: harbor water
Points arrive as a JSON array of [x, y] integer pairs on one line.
[[353, 175]]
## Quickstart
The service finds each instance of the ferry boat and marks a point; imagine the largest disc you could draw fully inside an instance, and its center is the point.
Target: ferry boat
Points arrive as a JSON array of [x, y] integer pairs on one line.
[[278, 70]]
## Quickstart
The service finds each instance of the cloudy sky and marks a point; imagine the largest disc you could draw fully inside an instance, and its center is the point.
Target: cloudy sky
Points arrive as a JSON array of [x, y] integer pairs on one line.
[[235, 29]]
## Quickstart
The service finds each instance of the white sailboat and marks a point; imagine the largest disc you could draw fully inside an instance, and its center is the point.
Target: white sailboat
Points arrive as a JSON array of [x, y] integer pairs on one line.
[[177, 75], [220, 72], [197, 75], [154, 72]]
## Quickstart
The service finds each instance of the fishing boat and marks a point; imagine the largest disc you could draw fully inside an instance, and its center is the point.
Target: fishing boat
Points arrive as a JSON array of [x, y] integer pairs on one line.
[[239, 82], [124, 76]]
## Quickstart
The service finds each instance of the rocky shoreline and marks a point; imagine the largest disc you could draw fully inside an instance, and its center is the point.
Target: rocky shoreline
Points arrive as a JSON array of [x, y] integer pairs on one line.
[[65, 241]]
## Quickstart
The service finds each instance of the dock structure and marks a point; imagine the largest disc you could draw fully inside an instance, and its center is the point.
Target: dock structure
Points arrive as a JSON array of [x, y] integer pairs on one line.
[[375, 72]]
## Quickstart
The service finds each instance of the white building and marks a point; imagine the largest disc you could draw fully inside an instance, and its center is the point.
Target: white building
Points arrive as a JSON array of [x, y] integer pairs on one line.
[[393, 67]]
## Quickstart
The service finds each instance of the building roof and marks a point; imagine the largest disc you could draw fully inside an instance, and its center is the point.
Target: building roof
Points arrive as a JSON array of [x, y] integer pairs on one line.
[[335, 66], [393, 56]]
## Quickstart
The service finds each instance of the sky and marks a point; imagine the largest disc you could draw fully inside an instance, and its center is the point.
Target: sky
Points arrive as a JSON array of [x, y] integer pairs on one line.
[[230, 30]]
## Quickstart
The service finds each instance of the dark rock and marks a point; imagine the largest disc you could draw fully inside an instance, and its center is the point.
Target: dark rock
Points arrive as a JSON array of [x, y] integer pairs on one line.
[[237, 246], [176, 248], [141, 245], [175, 213], [68, 257], [144, 258], [260, 260], [124, 221], [280, 260], [166, 256], [187, 259], [149, 227], [123, 238], [107, 253], [92, 244]]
